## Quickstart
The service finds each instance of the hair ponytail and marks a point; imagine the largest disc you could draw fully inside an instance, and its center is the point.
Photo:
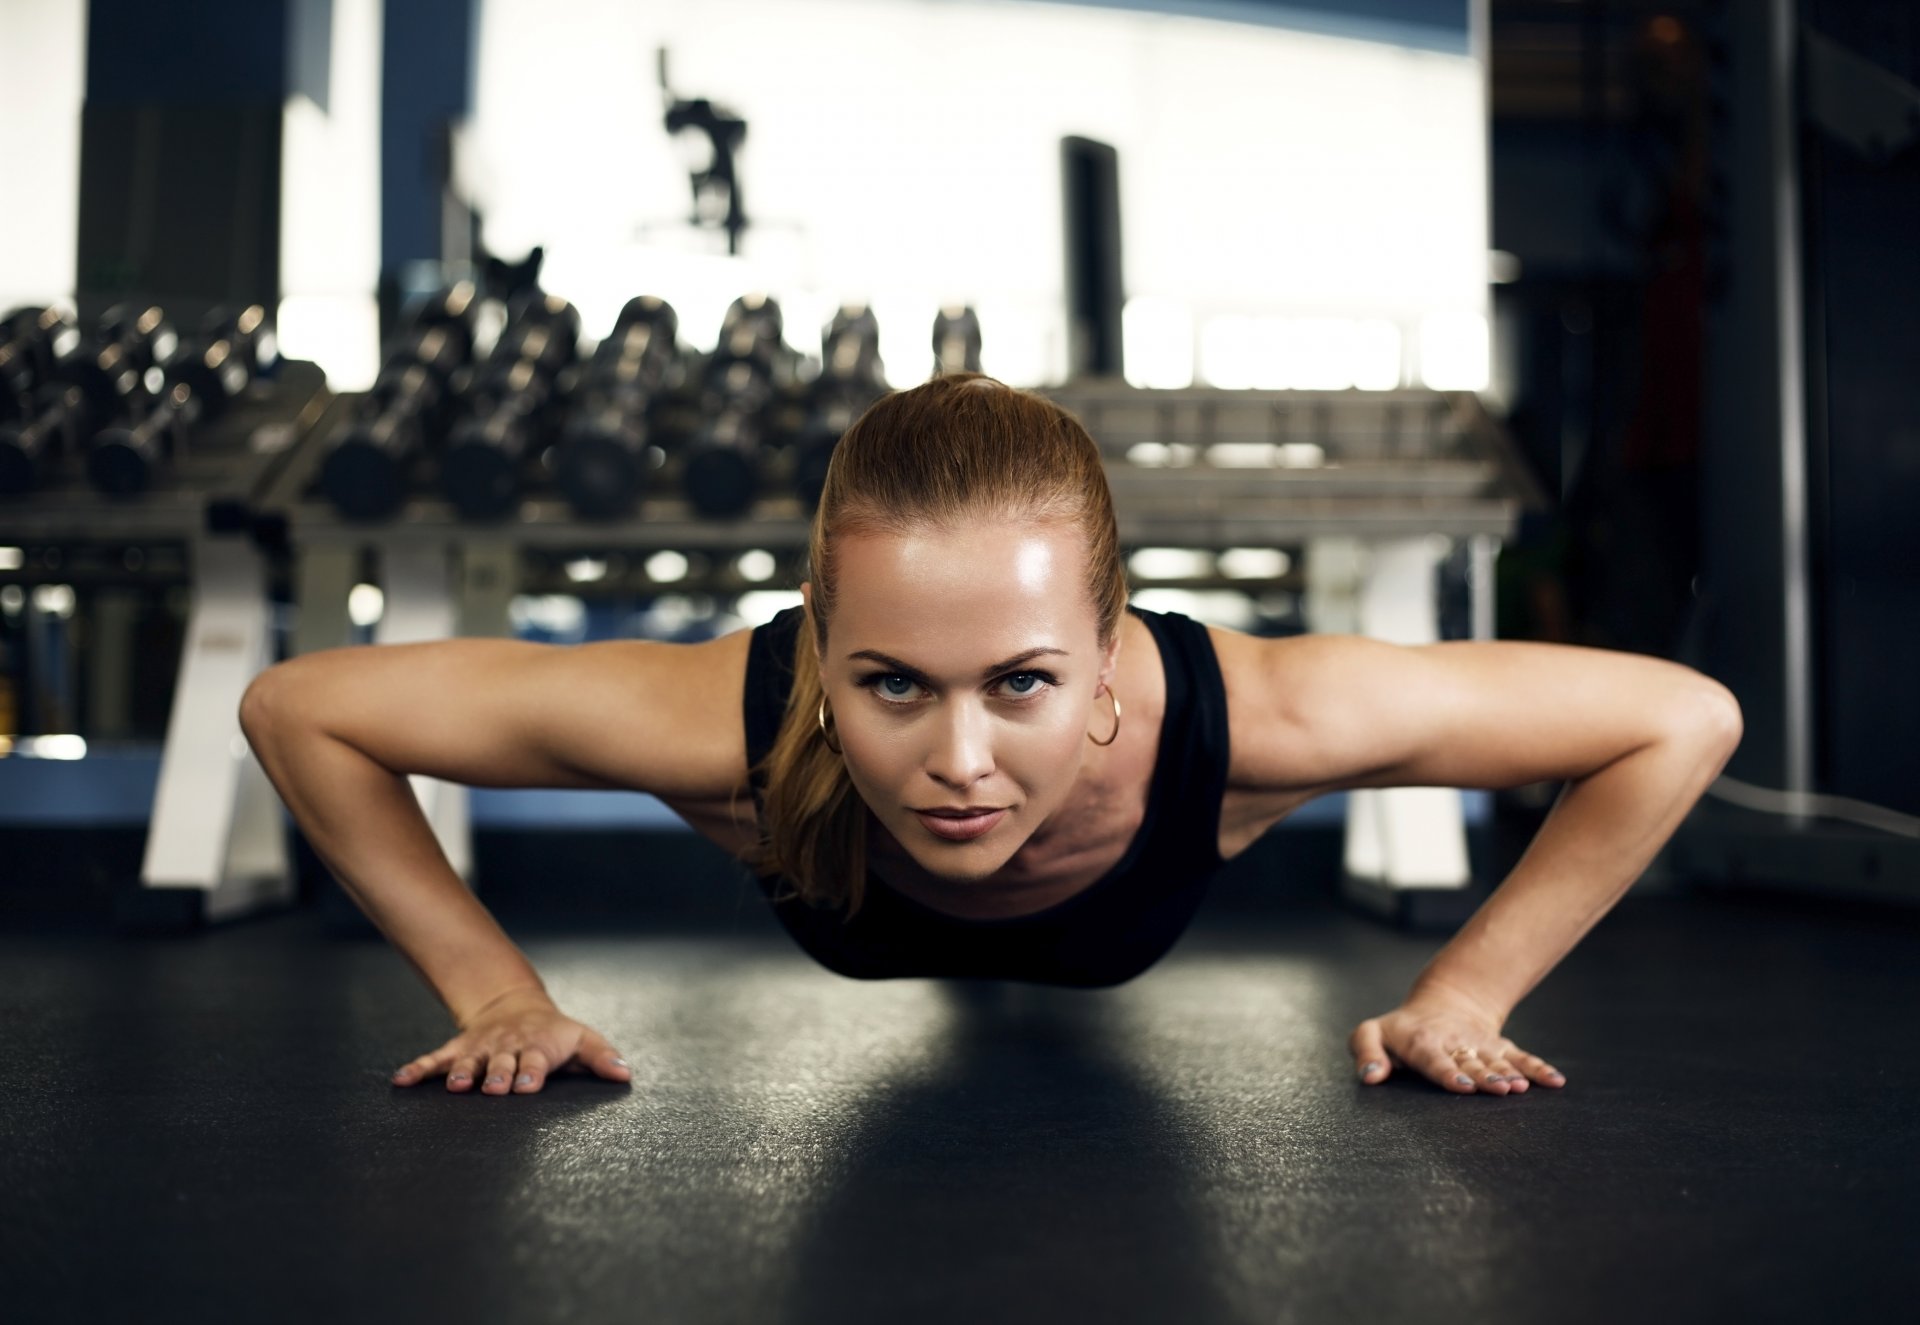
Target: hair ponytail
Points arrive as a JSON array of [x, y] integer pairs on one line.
[[815, 823]]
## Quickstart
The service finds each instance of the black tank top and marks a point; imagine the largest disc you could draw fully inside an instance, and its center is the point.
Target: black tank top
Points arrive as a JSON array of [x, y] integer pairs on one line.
[[1103, 935]]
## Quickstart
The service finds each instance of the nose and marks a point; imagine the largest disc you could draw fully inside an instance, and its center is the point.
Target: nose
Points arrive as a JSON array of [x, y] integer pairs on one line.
[[962, 750]]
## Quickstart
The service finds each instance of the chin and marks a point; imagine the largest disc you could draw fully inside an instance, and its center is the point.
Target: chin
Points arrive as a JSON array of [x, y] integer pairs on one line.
[[969, 877], [942, 865]]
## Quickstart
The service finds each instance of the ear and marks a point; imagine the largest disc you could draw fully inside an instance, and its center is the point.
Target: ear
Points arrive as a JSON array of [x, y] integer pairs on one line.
[[806, 601], [1110, 660]]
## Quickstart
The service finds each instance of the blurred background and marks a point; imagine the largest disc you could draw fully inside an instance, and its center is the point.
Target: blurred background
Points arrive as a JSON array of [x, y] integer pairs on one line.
[[341, 322]]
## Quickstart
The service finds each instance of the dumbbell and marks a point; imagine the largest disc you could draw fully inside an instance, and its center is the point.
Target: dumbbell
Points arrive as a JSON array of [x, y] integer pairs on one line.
[[761, 313], [956, 341], [32, 340], [365, 474], [114, 367], [721, 476], [54, 420], [604, 451], [218, 366], [509, 408], [150, 339], [199, 382], [82, 381], [851, 378]]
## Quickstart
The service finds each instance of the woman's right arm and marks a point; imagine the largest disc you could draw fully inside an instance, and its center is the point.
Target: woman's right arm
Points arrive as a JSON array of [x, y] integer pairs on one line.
[[338, 731]]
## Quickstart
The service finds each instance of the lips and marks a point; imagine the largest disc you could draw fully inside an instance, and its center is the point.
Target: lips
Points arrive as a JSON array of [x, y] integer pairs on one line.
[[964, 814], [960, 828]]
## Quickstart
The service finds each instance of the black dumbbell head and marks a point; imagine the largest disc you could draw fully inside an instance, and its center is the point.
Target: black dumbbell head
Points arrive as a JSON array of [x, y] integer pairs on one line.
[[121, 461], [759, 311], [653, 311], [147, 336], [600, 466], [365, 474]]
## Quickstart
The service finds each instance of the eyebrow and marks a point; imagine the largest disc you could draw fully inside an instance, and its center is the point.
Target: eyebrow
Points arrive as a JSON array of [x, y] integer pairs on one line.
[[909, 670]]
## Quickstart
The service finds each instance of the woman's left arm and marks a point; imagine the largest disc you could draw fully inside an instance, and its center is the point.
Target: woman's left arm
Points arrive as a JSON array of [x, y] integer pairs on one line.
[[1636, 739]]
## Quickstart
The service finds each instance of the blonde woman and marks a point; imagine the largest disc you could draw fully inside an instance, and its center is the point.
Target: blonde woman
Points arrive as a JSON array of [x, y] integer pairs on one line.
[[966, 754]]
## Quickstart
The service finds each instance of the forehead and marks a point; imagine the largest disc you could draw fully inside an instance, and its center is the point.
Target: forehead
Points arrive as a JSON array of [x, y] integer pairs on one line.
[[960, 592]]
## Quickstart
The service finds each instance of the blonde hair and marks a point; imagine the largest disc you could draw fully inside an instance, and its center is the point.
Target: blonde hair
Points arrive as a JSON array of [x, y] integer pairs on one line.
[[960, 449]]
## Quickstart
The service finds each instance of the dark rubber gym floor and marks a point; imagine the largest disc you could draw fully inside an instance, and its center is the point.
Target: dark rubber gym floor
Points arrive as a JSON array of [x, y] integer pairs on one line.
[[201, 1127]]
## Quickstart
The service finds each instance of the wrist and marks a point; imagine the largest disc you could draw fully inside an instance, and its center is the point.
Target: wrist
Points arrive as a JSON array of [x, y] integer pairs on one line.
[[529, 993], [1429, 991]]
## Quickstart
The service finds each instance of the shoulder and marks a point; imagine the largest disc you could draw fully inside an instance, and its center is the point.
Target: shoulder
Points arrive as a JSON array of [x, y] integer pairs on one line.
[[1275, 686]]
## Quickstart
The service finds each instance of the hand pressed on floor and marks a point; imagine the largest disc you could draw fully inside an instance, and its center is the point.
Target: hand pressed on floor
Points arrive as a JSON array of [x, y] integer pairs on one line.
[[520, 1038], [1453, 1043]]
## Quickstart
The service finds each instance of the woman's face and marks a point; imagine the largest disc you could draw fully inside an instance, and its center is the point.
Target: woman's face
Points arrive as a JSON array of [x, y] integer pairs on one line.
[[946, 718]]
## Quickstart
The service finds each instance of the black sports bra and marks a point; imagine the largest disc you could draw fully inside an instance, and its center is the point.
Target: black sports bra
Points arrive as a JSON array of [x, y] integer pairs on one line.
[[1103, 935]]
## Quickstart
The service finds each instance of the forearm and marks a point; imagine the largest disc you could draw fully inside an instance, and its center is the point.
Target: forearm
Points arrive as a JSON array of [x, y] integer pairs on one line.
[[364, 821], [1602, 833]]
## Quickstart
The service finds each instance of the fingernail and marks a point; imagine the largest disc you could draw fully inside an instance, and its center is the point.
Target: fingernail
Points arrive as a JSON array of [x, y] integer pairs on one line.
[[494, 1081], [1369, 1069], [462, 1076], [619, 1062], [1463, 1081], [1555, 1076], [524, 1079]]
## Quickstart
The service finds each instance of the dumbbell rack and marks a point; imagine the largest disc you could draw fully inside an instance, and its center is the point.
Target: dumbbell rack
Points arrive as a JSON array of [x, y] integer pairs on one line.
[[215, 845]]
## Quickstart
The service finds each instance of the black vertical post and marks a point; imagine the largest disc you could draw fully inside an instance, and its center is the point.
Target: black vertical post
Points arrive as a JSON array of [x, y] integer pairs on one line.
[[1754, 584], [428, 51], [1090, 176], [180, 149]]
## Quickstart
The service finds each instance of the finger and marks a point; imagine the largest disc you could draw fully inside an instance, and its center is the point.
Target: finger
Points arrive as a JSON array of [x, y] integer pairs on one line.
[[1455, 1071], [1538, 1069], [426, 1065], [1479, 1066], [533, 1072], [461, 1077], [499, 1074], [602, 1058], [1370, 1053], [1515, 1079], [1505, 1076]]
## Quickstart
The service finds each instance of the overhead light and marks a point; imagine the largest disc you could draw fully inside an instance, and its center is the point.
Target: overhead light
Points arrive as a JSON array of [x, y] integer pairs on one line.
[[54, 600], [666, 567], [365, 604], [1254, 563], [757, 565], [763, 605], [1170, 563]]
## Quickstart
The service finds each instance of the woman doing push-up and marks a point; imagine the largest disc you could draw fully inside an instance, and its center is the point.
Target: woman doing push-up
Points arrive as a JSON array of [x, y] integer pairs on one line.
[[965, 754]]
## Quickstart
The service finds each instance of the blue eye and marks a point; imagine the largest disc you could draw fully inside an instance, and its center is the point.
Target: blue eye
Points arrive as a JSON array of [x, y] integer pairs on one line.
[[882, 684]]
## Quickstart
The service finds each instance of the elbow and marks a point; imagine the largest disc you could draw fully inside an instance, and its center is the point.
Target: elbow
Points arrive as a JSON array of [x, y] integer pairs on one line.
[[258, 703], [1710, 708]]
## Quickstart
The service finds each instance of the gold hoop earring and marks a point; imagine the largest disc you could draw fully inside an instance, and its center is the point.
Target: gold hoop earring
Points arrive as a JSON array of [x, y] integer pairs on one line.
[[822, 718], [1116, 719]]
